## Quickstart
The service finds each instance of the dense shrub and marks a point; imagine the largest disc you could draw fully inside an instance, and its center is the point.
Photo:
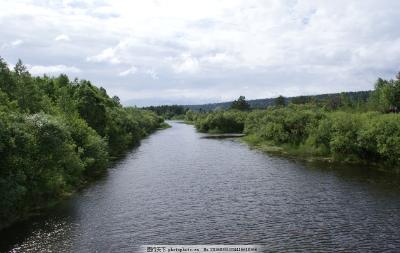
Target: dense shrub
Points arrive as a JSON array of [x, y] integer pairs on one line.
[[283, 125], [55, 134], [312, 129], [221, 122], [380, 137]]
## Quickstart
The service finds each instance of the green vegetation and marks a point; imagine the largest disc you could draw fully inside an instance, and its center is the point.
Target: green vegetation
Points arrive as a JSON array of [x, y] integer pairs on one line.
[[241, 104], [337, 128], [56, 134], [356, 97], [231, 121], [169, 111], [280, 101]]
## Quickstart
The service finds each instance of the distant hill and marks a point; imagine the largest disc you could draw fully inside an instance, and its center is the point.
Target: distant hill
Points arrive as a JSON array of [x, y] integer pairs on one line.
[[265, 102]]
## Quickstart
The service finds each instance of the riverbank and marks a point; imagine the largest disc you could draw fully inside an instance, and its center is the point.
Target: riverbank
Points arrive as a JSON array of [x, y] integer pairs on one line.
[[62, 136], [86, 181], [301, 153], [313, 133]]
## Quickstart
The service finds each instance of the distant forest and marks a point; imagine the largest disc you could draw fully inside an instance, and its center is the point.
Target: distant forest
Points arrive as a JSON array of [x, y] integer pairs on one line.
[[334, 99], [360, 96]]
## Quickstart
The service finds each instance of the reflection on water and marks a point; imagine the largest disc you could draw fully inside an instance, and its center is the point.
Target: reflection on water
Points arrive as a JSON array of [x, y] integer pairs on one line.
[[179, 188]]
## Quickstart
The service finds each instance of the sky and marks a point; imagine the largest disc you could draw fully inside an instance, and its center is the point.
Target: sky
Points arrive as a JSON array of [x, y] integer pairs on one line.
[[152, 52]]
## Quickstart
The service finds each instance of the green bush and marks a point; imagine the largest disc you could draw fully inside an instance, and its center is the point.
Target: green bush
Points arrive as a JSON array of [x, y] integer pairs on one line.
[[283, 125], [56, 134], [221, 122], [310, 129], [381, 137]]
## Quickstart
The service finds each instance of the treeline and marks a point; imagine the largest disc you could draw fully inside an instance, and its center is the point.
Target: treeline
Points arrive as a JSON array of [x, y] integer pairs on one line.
[[341, 129], [55, 134], [356, 96], [168, 111]]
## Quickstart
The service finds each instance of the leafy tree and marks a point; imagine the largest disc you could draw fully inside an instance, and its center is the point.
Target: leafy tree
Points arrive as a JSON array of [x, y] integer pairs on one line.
[[116, 100], [240, 104], [280, 101], [7, 83], [301, 100], [55, 134], [168, 111], [386, 96], [27, 92], [91, 106]]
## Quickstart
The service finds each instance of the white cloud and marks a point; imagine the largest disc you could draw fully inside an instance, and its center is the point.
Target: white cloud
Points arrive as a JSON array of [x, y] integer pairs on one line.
[[16, 43], [62, 37], [187, 64], [54, 69], [107, 55], [12, 44], [218, 58], [274, 46], [132, 70], [152, 73]]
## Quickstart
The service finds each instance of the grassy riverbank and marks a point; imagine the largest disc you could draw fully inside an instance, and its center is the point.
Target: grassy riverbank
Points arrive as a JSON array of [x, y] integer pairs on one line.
[[56, 135], [304, 154], [366, 138], [345, 131]]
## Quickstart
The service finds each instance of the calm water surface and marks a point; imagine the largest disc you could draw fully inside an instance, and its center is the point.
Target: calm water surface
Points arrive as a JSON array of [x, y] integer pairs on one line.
[[179, 188]]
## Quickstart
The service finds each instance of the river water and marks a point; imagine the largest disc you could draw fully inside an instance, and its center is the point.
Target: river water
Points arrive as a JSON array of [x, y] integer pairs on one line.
[[180, 188]]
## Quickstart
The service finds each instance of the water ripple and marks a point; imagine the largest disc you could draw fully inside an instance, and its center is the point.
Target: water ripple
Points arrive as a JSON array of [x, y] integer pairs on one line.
[[179, 188]]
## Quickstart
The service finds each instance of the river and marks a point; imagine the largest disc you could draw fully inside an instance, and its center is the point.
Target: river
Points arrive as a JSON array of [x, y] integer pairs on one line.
[[180, 188]]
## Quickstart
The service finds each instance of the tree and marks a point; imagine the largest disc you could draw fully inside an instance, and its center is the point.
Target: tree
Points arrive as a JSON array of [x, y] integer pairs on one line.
[[116, 100], [20, 69], [386, 96], [91, 107], [240, 104], [56, 134], [280, 101], [301, 100], [63, 80], [27, 91], [168, 111], [7, 84], [332, 103]]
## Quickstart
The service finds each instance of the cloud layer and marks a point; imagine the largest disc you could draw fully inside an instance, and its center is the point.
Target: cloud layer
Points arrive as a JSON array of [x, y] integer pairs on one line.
[[186, 51]]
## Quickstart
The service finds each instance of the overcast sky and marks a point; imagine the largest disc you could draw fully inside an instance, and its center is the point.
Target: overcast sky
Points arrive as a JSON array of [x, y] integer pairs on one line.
[[190, 52]]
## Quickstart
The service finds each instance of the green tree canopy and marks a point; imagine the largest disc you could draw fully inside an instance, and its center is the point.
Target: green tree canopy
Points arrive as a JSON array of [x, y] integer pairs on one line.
[[280, 101], [54, 134], [240, 104]]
